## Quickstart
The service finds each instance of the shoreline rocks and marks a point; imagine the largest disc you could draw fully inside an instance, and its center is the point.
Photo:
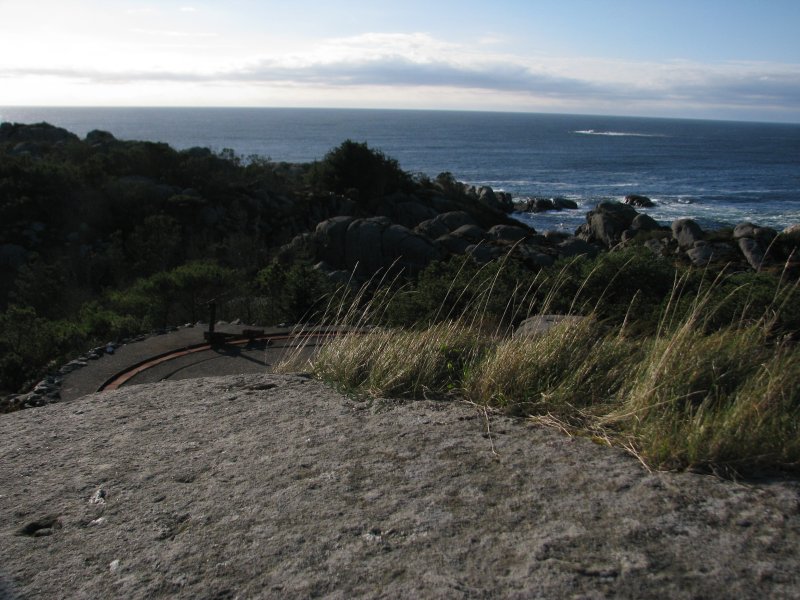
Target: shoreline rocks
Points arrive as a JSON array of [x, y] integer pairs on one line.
[[537, 205], [345, 243], [606, 223], [638, 201]]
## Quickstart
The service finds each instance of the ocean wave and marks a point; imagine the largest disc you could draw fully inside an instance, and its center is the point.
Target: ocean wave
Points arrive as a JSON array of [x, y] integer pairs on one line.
[[619, 133], [684, 200]]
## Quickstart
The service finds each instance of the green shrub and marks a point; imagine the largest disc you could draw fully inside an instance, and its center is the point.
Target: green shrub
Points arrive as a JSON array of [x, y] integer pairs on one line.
[[615, 286], [495, 293], [13, 372], [356, 166], [99, 323], [27, 343], [177, 296], [743, 299], [41, 286], [296, 293], [155, 245]]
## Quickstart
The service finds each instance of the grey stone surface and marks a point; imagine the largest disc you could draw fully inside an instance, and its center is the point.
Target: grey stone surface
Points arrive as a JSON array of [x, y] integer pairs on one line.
[[752, 251], [508, 233], [638, 201], [686, 232], [642, 222], [575, 247], [606, 223], [276, 486]]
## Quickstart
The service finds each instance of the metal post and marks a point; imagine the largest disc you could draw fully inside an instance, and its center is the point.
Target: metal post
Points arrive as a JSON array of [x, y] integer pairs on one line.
[[212, 316]]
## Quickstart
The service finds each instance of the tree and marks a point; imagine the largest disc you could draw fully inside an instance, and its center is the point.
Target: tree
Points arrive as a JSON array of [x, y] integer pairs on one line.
[[297, 294], [355, 166], [155, 245], [177, 296], [41, 286], [25, 345]]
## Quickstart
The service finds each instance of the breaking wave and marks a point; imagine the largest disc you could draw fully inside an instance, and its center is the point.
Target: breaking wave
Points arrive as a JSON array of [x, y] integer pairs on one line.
[[618, 133]]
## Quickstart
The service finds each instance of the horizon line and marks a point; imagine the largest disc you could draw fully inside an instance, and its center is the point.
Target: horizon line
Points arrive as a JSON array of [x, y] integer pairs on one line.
[[376, 109]]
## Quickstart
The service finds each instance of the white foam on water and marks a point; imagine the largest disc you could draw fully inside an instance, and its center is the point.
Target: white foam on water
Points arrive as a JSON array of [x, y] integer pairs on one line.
[[619, 133], [709, 215]]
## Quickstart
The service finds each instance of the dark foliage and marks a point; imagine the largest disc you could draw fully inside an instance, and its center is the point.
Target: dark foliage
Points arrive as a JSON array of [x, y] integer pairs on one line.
[[496, 292], [295, 293], [355, 169], [100, 238]]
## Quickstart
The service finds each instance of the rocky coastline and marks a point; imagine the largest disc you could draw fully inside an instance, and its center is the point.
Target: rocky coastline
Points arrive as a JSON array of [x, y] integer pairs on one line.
[[431, 220], [277, 485], [344, 245], [419, 235], [96, 213]]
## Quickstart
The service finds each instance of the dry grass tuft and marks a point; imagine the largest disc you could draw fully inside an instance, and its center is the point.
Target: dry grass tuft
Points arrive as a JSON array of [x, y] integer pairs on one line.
[[729, 399]]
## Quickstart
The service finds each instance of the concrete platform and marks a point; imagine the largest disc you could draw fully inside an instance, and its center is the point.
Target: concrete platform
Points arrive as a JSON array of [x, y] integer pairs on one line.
[[256, 357]]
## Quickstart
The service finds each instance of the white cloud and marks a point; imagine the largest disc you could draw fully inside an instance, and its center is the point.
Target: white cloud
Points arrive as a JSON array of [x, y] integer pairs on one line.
[[175, 33], [142, 10], [414, 69], [491, 39]]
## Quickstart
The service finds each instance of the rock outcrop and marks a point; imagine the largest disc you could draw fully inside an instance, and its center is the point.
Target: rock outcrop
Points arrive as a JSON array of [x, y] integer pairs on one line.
[[364, 246], [753, 252], [406, 210], [500, 201], [444, 223], [574, 246], [97, 137], [755, 243], [377, 243], [508, 233], [537, 205], [686, 232], [747, 245], [606, 223], [638, 201], [277, 486], [345, 243]]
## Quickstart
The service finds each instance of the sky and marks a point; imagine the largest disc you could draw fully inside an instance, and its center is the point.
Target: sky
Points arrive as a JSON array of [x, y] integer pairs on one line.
[[732, 59]]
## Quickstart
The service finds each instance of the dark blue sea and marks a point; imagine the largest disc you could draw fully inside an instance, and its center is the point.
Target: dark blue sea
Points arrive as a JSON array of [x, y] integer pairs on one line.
[[719, 173]]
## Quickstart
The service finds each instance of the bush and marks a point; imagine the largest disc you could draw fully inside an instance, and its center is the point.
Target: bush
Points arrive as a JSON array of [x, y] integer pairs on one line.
[[177, 296], [296, 294], [27, 343], [155, 245], [99, 323], [743, 299], [496, 292], [13, 371], [355, 166], [631, 284], [42, 287]]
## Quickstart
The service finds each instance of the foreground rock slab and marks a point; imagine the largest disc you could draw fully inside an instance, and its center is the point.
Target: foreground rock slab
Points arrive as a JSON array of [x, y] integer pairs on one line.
[[263, 486]]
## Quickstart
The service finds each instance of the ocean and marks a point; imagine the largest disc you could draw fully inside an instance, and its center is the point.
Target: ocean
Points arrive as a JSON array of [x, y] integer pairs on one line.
[[719, 173]]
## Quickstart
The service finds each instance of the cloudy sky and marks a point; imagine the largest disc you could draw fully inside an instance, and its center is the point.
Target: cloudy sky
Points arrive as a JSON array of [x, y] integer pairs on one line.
[[731, 59]]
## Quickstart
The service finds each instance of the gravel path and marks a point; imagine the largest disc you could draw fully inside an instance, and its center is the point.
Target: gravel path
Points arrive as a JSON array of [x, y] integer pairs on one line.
[[269, 486]]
